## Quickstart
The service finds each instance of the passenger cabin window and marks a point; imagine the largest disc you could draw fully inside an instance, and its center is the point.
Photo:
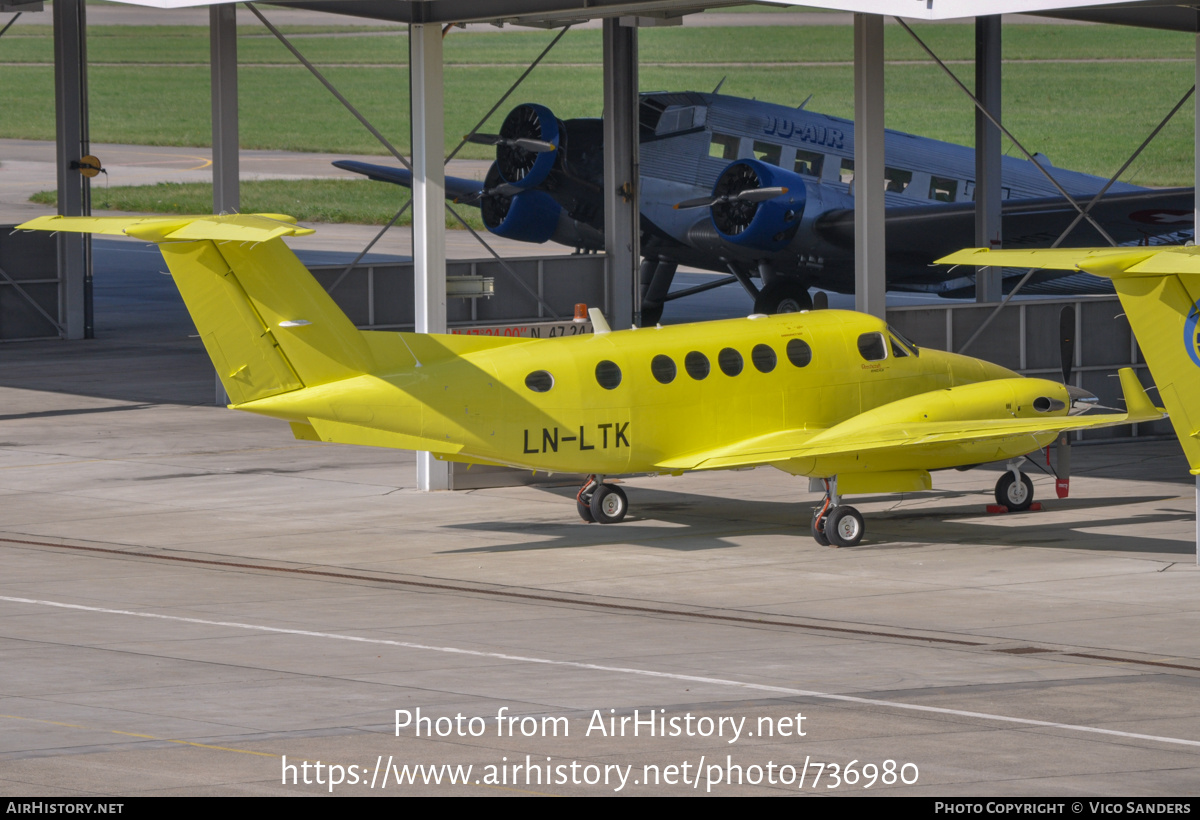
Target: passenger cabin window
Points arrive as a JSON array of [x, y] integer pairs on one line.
[[970, 188], [895, 180], [872, 347], [942, 189], [539, 381], [809, 163], [766, 152], [798, 352], [723, 146], [696, 365], [663, 369], [847, 173], [608, 375], [764, 358], [730, 361], [679, 119]]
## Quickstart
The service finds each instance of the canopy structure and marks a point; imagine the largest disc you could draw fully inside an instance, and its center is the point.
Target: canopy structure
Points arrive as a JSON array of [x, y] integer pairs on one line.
[[622, 20]]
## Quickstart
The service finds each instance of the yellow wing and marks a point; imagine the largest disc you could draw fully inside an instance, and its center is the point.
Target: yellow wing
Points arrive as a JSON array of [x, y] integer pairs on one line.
[[1160, 292], [926, 432]]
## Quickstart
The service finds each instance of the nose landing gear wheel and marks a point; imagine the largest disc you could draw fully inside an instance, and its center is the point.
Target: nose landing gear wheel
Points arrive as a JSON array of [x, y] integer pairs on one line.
[[1017, 496], [609, 504], [844, 527]]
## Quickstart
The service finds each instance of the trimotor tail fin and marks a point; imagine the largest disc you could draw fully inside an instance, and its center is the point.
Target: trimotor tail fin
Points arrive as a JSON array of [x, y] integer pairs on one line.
[[266, 323], [1159, 288]]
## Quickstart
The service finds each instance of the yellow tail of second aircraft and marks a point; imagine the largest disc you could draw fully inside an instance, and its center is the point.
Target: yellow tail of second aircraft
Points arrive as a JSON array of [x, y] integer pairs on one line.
[[1159, 288]]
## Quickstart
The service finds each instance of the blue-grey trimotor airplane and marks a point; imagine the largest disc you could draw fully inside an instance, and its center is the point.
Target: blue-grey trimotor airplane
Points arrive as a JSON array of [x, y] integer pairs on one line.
[[766, 192]]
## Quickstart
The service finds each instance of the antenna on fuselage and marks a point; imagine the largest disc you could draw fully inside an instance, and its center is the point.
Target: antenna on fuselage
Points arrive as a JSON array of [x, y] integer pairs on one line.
[[718, 88], [800, 107]]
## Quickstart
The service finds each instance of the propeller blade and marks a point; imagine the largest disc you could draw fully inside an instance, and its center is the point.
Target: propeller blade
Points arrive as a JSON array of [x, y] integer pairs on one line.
[[698, 202], [484, 139], [503, 189], [535, 146], [763, 194], [1066, 341], [524, 143]]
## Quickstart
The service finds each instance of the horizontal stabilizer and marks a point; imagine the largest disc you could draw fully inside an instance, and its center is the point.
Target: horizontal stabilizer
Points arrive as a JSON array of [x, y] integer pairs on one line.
[[220, 228]]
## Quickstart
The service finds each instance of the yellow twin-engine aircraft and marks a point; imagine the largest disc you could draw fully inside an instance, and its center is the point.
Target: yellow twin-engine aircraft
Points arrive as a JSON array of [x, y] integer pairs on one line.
[[833, 395], [1159, 288]]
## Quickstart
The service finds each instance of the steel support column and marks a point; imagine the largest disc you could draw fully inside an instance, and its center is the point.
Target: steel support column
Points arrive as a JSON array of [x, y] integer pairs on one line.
[[622, 237], [870, 269], [226, 176], [429, 221], [222, 42], [71, 117], [987, 154]]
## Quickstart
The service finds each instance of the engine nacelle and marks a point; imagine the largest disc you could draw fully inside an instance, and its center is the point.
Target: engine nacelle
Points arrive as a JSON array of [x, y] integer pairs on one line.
[[768, 225], [530, 216], [521, 167]]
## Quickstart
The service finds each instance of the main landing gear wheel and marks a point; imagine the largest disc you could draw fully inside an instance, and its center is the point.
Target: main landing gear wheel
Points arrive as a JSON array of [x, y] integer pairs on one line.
[[585, 511], [818, 528], [844, 526], [583, 499], [1017, 496], [609, 504], [784, 295]]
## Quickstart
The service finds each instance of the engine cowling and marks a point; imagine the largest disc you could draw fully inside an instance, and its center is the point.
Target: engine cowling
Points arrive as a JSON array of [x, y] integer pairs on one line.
[[768, 225], [530, 216], [521, 167]]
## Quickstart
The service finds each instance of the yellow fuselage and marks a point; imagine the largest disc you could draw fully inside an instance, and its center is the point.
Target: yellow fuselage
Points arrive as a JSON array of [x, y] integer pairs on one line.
[[485, 406]]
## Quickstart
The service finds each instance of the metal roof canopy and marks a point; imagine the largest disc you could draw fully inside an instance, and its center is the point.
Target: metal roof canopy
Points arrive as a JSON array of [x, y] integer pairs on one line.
[[1150, 13]]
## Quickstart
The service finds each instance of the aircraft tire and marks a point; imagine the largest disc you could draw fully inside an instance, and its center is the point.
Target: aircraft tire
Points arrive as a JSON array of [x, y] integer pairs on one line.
[[1017, 497], [844, 526], [784, 295], [817, 527], [609, 504], [585, 512]]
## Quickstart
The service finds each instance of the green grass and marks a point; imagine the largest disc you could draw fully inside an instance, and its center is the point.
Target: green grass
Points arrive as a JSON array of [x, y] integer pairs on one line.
[[1085, 116], [359, 202]]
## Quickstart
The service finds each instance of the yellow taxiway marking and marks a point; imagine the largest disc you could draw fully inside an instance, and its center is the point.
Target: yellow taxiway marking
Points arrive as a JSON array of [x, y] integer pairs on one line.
[[146, 737]]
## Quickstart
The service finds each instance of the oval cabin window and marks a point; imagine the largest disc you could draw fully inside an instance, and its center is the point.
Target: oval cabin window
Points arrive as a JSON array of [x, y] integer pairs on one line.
[[799, 353], [663, 369], [764, 358], [608, 375], [539, 381], [730, 361], [696, 365]]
